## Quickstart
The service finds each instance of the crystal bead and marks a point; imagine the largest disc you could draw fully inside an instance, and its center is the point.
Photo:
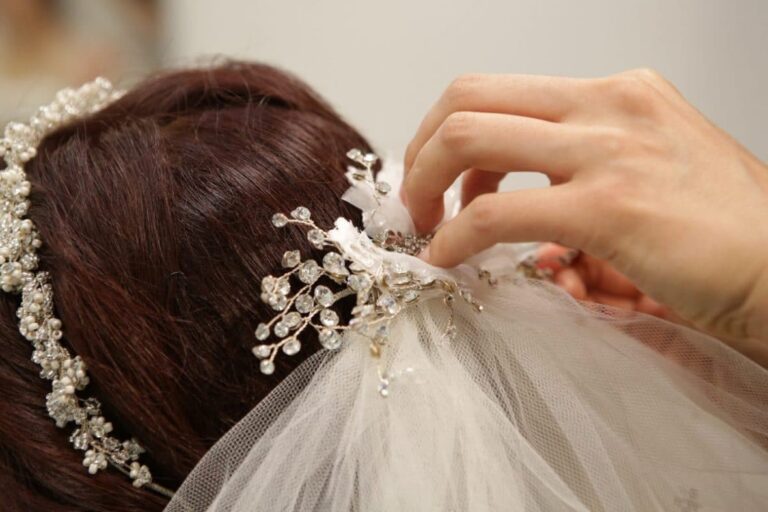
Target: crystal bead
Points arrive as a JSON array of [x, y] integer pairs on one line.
[[381, 331], [316, 237], [370, 159], [425, 279], [281, 329], [283, 286], [262, 351], [292, 347], [383, 187], [358, 282], [268, 284], [267, 367], [304, 303], [292, 320], [140, 475], [291, 259], [309, 272], [262, 332], [119, 457], [329, 339], [133, 449], [410, 295], [329, 318], [396, 279], [354, 154], [110, 444], [279, 220], [301, 213], [384, 387], [323, 296], [80, 439], [278, 302], [334, 263], [92, 406], [388, 303]]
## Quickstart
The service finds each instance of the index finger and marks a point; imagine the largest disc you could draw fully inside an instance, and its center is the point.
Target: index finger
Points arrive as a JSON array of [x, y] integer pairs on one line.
[[549, 98]]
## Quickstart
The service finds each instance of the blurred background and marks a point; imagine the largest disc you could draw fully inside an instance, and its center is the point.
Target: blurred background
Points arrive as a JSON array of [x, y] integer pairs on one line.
[[382, 64]]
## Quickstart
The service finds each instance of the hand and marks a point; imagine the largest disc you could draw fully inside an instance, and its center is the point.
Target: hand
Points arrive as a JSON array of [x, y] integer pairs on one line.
[[588, 278], [641, 181]]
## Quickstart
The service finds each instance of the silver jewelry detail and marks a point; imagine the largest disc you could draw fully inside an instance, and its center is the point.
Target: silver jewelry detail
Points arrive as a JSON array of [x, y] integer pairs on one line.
[[19, 241], [379, 296]]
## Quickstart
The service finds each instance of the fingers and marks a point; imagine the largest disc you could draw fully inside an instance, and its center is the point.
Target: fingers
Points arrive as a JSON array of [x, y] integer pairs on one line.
[[599, 275], [523, 215], [491, 142], [595, 280], [477, 182], [541, 97], [647, 305], [569, 280], [616, 301]]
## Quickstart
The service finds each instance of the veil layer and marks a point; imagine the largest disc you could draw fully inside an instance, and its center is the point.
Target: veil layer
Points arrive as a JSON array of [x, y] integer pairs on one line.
[[539, 404]]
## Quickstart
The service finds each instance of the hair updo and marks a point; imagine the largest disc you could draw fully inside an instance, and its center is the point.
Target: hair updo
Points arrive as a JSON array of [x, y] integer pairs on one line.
[[154, 214]]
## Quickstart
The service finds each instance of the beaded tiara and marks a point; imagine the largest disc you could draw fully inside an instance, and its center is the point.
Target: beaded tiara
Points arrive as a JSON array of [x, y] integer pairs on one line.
[[19, 241]]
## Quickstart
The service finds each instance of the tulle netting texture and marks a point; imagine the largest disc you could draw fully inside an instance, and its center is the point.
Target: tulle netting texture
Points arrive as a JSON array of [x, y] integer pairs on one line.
[[540, 403]]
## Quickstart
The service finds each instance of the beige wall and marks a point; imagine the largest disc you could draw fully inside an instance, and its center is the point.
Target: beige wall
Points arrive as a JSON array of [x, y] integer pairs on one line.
[[383, 63]]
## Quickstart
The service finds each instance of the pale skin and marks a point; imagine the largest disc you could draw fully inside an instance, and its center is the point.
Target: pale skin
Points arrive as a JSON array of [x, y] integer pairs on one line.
[[670, 212]]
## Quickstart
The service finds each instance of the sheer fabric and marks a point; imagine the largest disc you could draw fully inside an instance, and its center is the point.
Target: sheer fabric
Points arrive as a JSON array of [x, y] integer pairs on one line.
[[539, 404]]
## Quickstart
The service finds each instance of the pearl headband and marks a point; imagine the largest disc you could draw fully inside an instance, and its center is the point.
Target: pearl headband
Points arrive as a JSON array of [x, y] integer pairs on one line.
[[19, 241]]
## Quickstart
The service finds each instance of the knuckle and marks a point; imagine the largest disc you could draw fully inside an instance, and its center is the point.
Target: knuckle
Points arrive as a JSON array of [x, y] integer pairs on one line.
[[613, 142], [461, 87], [631, 89], [620, 202], [484, 216], [649, 75], [456, 131], [634, 92], [611, 189], [627, 147]]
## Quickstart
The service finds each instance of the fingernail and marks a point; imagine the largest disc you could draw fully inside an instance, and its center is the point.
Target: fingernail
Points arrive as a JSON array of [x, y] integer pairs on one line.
[[424, 255]]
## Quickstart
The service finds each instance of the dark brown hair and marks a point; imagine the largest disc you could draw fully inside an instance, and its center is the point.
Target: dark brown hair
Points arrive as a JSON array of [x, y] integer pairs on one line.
[[154, 215]]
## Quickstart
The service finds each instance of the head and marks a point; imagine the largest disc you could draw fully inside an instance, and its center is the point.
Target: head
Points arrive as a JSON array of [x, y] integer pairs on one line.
[[154, 214]]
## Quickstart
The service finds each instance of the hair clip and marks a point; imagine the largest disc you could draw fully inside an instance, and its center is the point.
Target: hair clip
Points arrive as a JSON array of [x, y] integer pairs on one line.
[[353, 265]]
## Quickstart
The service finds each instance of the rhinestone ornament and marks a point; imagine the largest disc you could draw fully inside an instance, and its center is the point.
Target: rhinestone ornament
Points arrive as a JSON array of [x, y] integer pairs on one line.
[[379, 296]]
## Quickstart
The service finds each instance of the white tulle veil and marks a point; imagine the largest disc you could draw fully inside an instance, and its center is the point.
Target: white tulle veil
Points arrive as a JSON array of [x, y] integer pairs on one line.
[[540, 403]]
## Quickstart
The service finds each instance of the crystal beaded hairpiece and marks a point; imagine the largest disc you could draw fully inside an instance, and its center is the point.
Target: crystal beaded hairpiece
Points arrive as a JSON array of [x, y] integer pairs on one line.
[[19, 242], [354, 263]]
